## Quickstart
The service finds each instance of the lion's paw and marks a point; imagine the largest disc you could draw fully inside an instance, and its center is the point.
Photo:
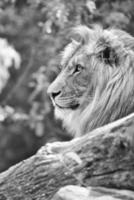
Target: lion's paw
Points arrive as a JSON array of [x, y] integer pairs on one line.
[[55, 147]]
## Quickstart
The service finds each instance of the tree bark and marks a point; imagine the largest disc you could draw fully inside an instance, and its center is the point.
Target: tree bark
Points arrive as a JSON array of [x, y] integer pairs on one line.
[[101, 162]]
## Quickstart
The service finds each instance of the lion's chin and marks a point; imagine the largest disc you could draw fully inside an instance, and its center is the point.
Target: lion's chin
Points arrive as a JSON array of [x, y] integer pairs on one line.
[[62, 113], [69, 118]]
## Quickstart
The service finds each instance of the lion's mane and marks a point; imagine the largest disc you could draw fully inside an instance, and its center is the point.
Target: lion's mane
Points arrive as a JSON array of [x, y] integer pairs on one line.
[[113, 97]]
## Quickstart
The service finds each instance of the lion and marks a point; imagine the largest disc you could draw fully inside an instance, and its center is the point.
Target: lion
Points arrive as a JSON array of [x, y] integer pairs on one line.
[[96, 82]]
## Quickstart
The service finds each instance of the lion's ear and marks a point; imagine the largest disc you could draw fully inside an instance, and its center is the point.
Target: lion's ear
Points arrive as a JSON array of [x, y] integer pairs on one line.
[[108, 55]]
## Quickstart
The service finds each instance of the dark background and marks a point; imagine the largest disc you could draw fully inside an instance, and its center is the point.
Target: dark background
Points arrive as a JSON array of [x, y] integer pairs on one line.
[[38, 30]]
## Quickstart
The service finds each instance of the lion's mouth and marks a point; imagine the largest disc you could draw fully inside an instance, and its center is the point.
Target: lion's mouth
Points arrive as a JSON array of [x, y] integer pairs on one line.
[[72, 107], [66, 103]]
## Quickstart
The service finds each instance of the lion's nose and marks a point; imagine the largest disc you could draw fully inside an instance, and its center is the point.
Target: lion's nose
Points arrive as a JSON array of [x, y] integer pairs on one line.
[[55, 94], [54, 90]]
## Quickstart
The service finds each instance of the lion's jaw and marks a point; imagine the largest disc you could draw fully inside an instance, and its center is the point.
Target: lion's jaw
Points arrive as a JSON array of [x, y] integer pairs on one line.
[[76, 121]]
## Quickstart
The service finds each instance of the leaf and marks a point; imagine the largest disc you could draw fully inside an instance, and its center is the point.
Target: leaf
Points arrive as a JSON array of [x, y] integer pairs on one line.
[[117, 19], [91, 6], [9, 57]]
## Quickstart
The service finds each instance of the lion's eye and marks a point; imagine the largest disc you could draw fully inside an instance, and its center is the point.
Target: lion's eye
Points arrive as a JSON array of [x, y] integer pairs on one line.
[[78, 68]]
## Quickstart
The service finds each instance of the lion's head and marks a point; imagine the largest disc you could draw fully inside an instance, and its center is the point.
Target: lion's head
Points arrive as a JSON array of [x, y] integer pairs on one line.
[[96, 83]]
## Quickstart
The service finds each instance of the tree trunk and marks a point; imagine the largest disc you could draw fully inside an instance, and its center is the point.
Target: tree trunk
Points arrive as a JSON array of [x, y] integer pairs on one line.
[[101, 163]]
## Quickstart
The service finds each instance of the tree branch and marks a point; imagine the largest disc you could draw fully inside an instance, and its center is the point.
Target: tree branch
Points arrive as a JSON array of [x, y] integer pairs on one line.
[[102, 158]]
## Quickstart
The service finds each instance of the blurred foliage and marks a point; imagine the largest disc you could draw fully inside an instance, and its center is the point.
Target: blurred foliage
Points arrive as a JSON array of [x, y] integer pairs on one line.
[[39, 30]]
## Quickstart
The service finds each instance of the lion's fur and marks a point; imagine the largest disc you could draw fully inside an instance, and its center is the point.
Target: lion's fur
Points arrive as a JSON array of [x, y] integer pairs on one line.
[[113, 96]]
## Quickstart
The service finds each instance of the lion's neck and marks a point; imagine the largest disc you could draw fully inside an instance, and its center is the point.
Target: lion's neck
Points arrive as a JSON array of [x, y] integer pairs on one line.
[[115, 102]]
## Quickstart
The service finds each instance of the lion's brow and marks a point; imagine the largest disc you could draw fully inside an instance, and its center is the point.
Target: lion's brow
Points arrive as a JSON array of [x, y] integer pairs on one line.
[[69, 51]]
